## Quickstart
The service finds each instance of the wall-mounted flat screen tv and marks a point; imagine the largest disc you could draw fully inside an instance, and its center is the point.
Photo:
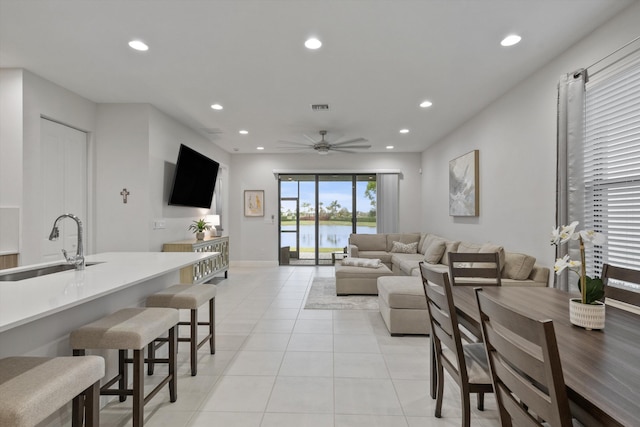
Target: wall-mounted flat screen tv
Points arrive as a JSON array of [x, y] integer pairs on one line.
[[194, 179]]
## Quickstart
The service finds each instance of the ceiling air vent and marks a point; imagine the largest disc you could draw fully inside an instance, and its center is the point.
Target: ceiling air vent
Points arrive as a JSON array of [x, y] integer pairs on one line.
[[320, 107]]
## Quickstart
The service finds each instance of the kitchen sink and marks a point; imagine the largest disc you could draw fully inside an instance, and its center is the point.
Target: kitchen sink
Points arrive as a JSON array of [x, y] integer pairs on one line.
[[39, 271]]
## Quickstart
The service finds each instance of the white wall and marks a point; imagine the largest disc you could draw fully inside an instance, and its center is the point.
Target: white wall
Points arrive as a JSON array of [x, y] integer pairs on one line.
[[165, 137], [122, 152], [130, 146], [516, 136], [45, 99], [256, 238]]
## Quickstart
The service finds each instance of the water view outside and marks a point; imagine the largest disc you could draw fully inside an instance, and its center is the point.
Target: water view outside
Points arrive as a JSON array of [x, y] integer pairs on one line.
[[330, 238], [336, 209]]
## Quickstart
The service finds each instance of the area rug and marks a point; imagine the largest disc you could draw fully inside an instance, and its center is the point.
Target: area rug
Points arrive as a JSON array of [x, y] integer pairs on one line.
[[322, 296]]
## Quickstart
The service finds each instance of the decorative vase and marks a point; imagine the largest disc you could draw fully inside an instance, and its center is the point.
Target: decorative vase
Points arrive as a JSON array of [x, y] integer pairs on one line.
[[588, 316], [200, 235]]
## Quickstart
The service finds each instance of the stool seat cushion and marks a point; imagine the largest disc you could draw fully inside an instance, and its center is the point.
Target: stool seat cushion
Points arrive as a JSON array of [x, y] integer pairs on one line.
[[188, 297], [32, 388], [126, 329]]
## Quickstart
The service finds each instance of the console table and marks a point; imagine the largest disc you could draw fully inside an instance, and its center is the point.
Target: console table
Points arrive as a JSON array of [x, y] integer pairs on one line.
[[204, 270]]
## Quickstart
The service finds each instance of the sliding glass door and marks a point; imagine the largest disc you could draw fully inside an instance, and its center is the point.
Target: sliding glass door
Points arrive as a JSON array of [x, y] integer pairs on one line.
[[328, 207]]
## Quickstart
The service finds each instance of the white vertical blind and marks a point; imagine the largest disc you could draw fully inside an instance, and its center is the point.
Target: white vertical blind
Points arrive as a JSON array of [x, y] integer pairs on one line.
[[612, 164]]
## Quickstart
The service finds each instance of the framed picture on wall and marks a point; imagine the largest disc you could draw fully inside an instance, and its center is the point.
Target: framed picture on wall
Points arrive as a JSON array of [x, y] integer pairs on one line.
[[253, 202], [464, 194]]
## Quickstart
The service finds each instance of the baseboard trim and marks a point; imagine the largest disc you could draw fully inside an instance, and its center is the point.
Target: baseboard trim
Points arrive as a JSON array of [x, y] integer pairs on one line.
[[253, 263]]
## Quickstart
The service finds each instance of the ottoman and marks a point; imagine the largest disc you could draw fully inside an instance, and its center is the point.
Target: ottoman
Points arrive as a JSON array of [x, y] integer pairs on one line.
[[359, 280], [403, 305]]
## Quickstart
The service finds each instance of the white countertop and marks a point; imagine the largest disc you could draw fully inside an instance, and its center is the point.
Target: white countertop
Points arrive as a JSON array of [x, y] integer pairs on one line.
[[30, 299]]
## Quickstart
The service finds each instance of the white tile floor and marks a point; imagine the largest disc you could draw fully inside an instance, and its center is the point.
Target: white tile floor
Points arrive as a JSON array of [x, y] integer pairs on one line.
[[277, 364]]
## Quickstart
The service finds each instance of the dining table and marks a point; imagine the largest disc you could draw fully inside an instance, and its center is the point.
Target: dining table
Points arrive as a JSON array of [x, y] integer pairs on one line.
[[601, 368]]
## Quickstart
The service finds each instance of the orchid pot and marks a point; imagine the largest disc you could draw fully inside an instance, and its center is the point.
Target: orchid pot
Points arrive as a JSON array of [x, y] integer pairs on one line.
[[588, 311]]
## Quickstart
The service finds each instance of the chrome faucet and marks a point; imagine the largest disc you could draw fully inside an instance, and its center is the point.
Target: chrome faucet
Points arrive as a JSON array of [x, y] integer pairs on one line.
[[78, 259]]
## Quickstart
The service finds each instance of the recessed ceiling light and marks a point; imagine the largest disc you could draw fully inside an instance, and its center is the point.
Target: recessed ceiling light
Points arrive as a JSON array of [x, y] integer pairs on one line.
[[425, 104], [216, 106], [243, 132], [259, 148], [313, 43], [404, 130], [390, 147], [511, 40], [138, 45]]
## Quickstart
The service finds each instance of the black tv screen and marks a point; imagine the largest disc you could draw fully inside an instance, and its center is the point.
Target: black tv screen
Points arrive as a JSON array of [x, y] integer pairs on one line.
[[194, 179]]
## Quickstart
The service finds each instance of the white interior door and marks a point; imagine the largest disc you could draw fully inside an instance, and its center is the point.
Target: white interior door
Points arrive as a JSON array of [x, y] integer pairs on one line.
[[64, 185]]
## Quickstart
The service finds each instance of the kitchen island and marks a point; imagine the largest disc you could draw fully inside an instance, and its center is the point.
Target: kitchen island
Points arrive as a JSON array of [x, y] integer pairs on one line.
[[37, 314]]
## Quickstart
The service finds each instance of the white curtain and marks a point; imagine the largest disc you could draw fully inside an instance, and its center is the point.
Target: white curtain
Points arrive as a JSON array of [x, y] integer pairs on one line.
[[569, 189], [387, 202]]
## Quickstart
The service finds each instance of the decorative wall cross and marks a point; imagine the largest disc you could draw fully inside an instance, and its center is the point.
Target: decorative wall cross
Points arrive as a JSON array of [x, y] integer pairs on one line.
[[124, 193]]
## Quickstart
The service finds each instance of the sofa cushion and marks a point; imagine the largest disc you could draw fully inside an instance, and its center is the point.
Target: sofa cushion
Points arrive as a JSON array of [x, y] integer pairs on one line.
[[362, 262], [383, 256], [369, 242], [518, 266], [489, 248], [435, 250], [467, 247], [405, 248], [421, 242], [402, 238], [449, 247], [428, 240], [402, 292]]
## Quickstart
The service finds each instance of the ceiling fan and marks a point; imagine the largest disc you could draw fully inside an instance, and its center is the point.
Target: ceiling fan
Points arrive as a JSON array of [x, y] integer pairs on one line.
[[323, 147]]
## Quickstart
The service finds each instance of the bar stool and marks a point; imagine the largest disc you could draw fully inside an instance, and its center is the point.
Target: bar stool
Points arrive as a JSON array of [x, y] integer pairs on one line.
[[132, 329], [32, 388], [187, 297]]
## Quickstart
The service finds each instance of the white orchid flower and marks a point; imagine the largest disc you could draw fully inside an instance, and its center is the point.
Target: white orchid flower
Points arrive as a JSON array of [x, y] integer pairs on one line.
[[565, 233], [565, 262], [592, 237]]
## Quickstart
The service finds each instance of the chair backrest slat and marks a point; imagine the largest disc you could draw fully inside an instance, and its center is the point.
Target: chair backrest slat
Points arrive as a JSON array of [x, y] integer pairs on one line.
[[484, 268], [625, 275], [443, 318], [525, 365]]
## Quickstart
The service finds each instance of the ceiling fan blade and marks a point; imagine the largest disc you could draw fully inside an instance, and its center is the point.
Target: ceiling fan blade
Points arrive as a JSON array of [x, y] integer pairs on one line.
[[313, 141], [342, 150], [350, 141], [296, 143], [333, 147]]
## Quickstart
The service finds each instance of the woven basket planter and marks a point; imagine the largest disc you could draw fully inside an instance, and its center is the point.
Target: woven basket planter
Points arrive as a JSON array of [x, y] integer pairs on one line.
[[588, 316]]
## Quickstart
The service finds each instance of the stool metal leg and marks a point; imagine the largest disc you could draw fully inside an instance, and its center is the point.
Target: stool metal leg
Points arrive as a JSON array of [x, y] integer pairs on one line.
[[151, 353], [212, 325], [138, 388], [173, 364], [122, 369], [193, 342], [78, 402], [92, 405]]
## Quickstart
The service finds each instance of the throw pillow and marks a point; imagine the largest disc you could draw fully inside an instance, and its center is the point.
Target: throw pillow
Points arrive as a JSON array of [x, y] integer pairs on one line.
[[518, 266], [433, 253], [405, 248], [489, 248], [449, 247]]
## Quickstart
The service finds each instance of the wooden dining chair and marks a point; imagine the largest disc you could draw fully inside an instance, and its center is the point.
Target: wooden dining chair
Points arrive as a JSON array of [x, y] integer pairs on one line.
[[466, 363], [475, 269], [525, 366], [623, 274]]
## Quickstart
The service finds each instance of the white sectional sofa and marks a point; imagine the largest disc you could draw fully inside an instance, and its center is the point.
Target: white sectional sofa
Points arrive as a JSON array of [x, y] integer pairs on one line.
[[517, 269], [400, 294]]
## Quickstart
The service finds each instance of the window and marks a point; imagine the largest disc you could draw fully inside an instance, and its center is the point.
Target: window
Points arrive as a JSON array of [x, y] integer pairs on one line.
[[612, 164]]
